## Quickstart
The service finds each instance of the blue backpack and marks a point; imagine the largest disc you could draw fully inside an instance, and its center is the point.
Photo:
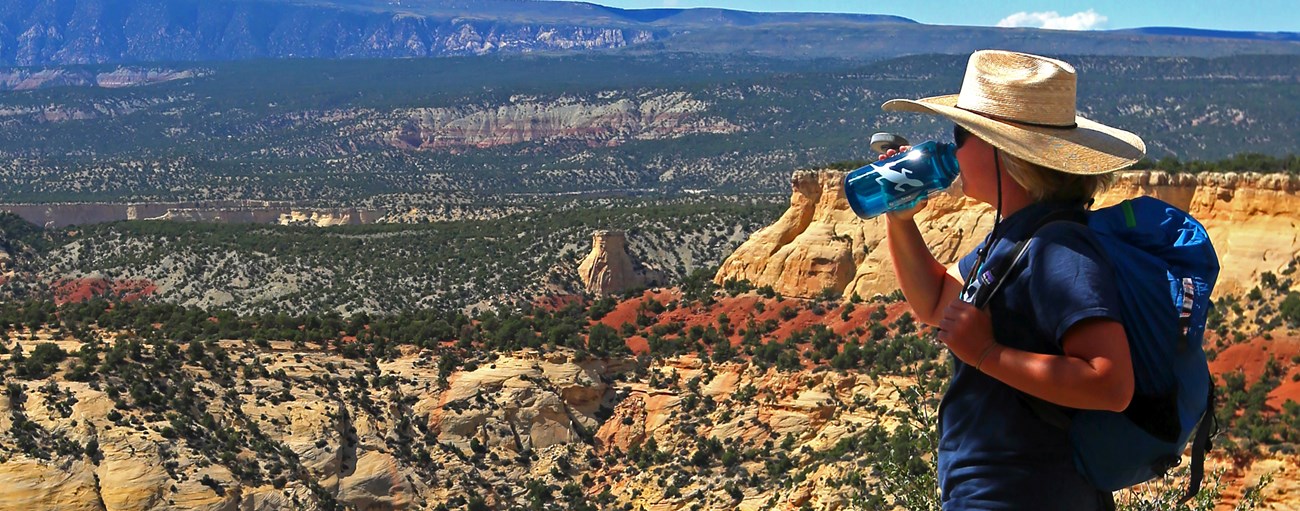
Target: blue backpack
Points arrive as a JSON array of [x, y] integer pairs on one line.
[[1165, 270]]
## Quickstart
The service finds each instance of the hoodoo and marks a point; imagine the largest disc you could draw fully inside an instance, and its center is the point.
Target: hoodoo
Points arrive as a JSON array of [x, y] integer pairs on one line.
[[608, 268]]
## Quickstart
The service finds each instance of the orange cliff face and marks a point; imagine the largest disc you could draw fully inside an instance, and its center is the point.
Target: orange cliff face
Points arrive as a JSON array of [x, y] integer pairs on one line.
[[819, 243], [1252, 218]]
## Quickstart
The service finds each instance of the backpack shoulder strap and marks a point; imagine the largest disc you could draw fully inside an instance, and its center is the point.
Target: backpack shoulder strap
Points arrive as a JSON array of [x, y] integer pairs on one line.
[[986, 279]]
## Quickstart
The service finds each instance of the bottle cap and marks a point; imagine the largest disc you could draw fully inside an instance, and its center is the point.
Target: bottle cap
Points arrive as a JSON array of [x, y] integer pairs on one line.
[[881, 142]]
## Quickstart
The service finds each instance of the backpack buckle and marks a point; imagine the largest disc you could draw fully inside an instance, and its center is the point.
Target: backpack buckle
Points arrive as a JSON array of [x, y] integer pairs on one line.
[[1164, 464], [1185, 311]]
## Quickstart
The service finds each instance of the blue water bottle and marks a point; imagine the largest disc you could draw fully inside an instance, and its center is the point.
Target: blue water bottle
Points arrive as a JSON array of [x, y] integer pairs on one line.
[[902, 181]]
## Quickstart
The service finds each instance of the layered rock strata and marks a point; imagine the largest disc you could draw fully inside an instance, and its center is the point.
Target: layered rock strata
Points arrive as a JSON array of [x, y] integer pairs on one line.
[[610, 121], [819, 244]]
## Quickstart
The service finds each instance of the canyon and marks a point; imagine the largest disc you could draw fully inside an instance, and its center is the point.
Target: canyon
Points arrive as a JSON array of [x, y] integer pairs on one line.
[[560, 167], [313, 425], [489, 129], [306, 426]]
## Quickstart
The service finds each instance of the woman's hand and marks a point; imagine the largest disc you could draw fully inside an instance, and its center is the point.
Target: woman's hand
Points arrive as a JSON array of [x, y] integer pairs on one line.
[[905, 214], [894, 152], [967, 331]]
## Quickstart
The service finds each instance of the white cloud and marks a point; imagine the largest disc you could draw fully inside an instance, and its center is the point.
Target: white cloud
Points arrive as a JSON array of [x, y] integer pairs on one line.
[[1086, 20]]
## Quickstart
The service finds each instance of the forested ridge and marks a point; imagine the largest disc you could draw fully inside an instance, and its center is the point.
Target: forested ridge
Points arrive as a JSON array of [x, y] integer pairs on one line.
[[326, 133]]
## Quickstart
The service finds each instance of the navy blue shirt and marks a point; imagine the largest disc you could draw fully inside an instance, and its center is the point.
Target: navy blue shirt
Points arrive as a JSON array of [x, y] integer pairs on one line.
[[994, 452]]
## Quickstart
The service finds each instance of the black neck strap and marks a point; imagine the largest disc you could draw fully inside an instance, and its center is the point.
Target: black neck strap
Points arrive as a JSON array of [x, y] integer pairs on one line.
[[992, 237]]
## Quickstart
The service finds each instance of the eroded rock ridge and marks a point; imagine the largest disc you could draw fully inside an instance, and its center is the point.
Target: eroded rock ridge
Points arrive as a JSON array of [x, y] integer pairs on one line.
[[819, 244]]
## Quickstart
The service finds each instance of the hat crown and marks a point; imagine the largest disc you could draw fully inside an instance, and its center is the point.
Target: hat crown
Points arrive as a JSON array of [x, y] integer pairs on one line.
[[1019, 87]]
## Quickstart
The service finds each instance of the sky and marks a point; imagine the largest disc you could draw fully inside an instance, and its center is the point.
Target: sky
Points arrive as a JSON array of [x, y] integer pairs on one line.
[[1246, 15]]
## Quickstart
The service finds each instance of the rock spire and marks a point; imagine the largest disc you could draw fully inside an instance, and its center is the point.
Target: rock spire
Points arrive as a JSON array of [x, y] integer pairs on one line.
[[608, 269]]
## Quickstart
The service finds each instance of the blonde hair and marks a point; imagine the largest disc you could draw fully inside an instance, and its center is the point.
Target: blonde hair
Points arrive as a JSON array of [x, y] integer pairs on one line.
[[1044, 183]]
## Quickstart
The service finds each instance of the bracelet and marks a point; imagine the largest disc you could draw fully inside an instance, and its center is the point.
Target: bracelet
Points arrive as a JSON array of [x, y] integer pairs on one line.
[[984, 355]]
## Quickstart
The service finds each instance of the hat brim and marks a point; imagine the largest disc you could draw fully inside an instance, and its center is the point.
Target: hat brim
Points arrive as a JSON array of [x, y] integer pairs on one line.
[[1089, 148]]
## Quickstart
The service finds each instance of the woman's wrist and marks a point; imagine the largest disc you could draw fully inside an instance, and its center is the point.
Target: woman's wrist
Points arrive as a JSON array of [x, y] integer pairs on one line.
[[900, 217]]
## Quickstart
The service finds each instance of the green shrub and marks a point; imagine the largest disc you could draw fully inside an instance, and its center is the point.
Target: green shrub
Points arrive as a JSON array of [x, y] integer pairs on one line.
[[1289, 310], [43, 361]]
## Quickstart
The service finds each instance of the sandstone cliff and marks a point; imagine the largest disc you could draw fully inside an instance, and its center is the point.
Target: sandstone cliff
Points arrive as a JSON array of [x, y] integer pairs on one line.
[[819, 243], [608, 120]]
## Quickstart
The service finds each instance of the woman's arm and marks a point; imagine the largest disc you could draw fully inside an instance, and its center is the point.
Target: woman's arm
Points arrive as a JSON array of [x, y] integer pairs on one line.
[[926, 284], [1095, 373]]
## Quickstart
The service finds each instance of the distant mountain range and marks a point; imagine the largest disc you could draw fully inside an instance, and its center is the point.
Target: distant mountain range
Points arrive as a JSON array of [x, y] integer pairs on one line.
[[1215, 34], [61, 32]]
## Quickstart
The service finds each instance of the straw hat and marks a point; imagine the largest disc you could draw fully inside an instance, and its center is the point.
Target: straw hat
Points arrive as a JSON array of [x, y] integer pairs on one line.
[[1024, 104]]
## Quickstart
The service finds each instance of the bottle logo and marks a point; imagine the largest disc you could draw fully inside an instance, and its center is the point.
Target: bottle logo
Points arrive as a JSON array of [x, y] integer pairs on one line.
[[899, 176]]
